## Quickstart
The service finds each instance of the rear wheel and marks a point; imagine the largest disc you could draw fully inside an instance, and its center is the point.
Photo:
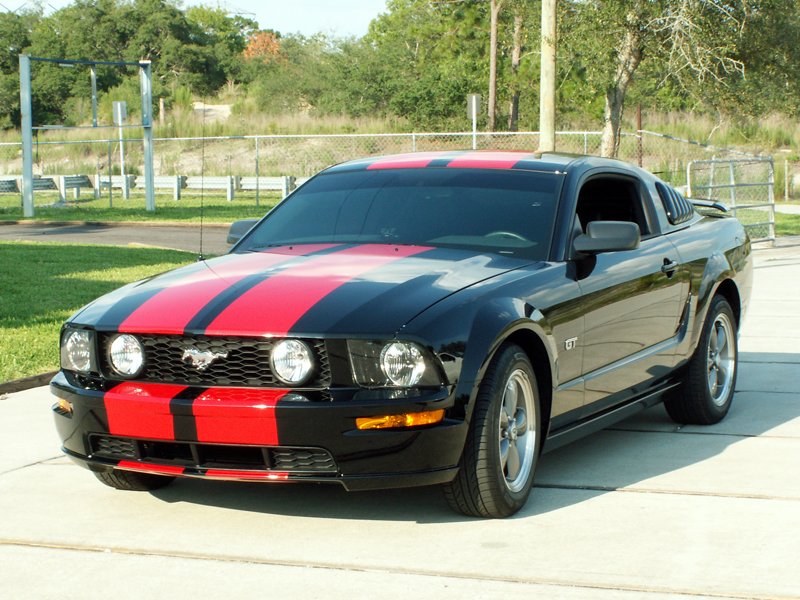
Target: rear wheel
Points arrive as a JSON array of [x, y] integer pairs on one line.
[[707, 391], [131, 481], [502, 449]]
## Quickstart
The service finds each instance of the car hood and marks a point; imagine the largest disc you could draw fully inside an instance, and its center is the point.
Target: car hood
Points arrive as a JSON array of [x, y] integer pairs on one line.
[[308, 289]]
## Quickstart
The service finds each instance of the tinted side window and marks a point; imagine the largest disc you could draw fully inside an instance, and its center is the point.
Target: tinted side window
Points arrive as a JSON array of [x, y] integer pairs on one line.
[[611, 198]]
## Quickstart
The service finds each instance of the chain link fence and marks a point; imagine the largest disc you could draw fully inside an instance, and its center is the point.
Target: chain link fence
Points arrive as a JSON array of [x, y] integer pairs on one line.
[[745, 185], [301, 156]]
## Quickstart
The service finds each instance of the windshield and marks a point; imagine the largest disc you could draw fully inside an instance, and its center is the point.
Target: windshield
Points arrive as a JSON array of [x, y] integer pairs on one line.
[[503, 211]]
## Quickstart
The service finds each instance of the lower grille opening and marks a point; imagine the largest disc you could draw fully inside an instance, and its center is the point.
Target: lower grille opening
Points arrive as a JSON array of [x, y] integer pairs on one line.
[[161, 451], [215, 456], [233, 457]]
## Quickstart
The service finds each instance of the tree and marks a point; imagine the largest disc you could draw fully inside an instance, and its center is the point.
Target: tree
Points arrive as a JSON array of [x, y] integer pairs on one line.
[[692, 40], [494, 13]]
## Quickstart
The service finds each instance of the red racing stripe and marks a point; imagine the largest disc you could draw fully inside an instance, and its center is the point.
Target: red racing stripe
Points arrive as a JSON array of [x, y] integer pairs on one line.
[[141, 410], [273, 306], [489, 160], [170, 310], [239, 475], [406, 161], [237, 416], [129, 465]]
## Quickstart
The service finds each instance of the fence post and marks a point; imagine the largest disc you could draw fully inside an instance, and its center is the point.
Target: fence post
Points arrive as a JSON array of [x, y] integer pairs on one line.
[[785, 179], [257, 182], [229, 188], [62, 188], [771, 200], [732, 170], [413, 142]]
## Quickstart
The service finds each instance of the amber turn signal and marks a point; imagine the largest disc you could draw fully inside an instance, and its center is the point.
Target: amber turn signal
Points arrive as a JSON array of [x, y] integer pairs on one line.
[[428, 417], [63, 406]]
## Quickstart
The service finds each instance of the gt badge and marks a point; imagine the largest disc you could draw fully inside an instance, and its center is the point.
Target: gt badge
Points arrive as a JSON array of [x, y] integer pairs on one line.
[[570, 343], [201, 359]]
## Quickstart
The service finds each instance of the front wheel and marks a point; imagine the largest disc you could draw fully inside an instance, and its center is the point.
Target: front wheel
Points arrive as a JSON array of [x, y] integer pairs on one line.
[[502, 450], [707, 391]]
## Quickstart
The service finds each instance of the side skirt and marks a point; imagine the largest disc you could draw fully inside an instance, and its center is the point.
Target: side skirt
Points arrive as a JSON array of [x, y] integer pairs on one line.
[[573, 432]]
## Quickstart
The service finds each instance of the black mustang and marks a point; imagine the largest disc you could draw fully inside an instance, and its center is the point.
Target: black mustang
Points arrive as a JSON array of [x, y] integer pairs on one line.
[[433, 318]]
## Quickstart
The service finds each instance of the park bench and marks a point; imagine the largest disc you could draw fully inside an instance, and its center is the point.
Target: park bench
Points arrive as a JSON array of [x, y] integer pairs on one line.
[[170, 182], [283, 184], [120, 182], [229, 183], [72, 182], [8, 186]]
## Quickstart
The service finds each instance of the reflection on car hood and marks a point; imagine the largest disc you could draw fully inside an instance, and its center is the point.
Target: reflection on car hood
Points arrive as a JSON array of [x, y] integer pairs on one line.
[[311, 289]]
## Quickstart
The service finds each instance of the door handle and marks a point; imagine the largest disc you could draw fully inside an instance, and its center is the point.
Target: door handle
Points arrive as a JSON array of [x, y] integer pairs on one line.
[[669, 267]]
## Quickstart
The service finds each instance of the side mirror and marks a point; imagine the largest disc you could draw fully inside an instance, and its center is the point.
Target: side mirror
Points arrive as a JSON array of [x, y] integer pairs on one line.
[[239, 228], [608, 236]]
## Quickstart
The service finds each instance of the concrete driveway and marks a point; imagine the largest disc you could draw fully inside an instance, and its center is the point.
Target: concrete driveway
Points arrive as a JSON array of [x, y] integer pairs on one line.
[[643, 510]]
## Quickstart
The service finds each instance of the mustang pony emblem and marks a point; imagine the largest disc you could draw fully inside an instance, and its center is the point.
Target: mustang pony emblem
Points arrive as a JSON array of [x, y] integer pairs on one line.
[[201, 359]]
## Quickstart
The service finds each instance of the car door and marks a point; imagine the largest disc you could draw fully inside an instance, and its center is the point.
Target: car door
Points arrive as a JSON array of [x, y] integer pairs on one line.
[[631, 299]]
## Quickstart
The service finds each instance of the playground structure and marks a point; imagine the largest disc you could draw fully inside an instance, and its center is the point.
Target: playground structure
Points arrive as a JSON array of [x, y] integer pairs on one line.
[[27, 127]]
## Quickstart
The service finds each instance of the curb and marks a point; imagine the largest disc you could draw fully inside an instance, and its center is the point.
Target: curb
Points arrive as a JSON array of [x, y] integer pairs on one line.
[[115, 224], [26, 383]]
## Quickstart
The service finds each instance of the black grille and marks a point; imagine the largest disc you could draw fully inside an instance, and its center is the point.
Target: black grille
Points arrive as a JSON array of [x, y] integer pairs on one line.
[[215, 456], [246, 363], [302, 459], [112, 447]]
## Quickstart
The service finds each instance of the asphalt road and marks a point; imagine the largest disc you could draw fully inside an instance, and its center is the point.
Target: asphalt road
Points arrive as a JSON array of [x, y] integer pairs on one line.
[[644, 510], [120, 234]]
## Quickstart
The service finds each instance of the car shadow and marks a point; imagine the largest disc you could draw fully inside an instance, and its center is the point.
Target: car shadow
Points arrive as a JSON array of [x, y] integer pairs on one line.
[[644, 447]]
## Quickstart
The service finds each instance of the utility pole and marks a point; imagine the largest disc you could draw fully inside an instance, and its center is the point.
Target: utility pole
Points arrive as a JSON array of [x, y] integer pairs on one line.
[[547, 79]]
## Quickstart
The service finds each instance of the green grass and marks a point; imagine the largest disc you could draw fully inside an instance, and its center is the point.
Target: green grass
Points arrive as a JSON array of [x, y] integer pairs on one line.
[[787, 224], [41, 285], [216, 209]]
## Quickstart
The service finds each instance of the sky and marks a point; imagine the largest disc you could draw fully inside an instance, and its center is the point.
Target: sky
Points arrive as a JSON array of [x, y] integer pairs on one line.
[[338, 17]]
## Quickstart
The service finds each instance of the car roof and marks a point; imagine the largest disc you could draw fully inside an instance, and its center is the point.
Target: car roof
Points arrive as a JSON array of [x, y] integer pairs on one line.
[[478, 159]]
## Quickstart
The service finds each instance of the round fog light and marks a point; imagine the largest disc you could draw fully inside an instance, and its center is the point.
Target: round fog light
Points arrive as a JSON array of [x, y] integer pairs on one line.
[[291, 361], [126, 355]]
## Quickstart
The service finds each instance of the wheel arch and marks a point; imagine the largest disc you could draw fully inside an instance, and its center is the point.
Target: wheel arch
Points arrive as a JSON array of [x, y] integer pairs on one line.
[[729, 290], [536, 351]]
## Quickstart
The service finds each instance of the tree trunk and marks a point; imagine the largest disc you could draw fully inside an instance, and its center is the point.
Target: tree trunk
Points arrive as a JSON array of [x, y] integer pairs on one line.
[[494, 10], [516, 53], [629, 57]]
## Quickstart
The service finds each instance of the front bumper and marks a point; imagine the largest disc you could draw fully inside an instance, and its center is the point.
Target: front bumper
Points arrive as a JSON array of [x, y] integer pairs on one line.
[[256, 434]]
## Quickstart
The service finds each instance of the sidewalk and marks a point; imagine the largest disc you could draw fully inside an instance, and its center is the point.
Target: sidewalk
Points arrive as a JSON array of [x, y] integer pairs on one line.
[[643, 510]]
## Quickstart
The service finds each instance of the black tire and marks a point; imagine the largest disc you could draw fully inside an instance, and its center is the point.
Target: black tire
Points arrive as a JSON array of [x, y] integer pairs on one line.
[[487, 485], [130, 481], [710, 378]]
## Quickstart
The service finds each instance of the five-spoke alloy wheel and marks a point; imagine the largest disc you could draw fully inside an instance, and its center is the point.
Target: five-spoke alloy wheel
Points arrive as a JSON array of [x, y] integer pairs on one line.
[[504, 441], [710, 378]]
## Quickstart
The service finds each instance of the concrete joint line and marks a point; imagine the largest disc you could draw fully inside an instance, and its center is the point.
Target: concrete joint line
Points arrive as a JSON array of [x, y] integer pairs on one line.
[[375, 569]]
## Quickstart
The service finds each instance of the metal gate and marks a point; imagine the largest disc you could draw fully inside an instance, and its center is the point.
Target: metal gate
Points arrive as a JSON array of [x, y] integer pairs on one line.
[[745, 185]]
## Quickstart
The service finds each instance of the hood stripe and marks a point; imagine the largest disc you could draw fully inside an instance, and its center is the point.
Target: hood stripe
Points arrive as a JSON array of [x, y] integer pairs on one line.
[[170, 309], [274, 305], [220, 302]]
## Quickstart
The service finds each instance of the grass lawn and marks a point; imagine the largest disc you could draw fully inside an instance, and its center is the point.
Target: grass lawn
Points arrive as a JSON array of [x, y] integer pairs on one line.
[[42, 284], [216, 209], [787, 224]]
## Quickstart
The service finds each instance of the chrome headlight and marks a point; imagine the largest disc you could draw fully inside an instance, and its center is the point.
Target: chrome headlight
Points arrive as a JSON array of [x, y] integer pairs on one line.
[[292, 361], [126, 355], [393, 364], [77, 350], [402, 363]]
